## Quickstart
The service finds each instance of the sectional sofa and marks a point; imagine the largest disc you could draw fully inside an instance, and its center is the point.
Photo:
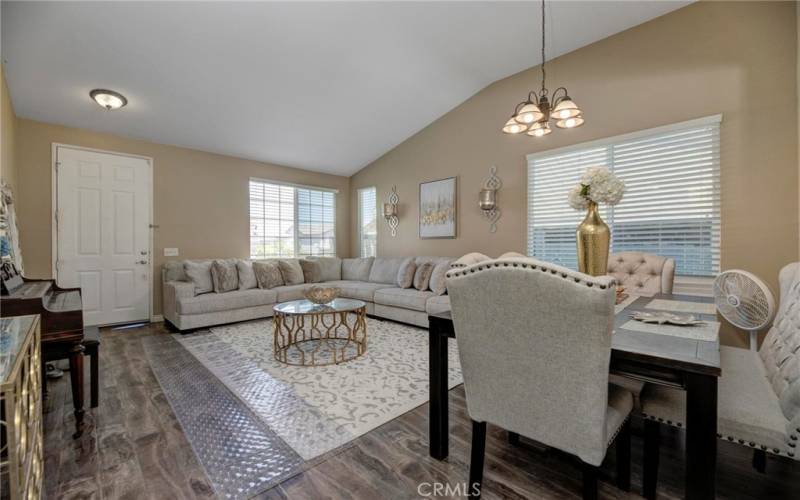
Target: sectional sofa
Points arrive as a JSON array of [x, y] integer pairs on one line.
[[373, 280]]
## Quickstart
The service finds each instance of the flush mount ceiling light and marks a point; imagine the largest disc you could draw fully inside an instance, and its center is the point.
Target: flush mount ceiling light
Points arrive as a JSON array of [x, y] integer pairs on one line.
[[108, 98], [533, 115]]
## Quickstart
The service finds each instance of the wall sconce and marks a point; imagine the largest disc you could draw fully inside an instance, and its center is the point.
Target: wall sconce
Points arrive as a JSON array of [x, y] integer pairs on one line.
[[487, 199], [390, 211]]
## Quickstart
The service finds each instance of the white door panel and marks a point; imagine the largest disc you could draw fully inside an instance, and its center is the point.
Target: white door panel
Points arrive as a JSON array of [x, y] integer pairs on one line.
[[103, 233]]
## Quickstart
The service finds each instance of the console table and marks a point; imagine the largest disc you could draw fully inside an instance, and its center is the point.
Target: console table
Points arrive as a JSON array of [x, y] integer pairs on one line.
[[21, 464]]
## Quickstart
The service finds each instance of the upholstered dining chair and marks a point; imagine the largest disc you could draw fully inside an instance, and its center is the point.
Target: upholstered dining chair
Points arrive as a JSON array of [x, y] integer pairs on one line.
[[535, 345], [758, 403], [642, 273]]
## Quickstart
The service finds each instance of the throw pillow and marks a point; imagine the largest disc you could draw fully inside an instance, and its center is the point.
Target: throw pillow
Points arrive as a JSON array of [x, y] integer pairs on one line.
[[291, 271], [224, 275], [247, 277], [469, 259], [422, 276], [405, 275], [357, 269], [199, 273], [312, 271], [268, 274], [438, 283]]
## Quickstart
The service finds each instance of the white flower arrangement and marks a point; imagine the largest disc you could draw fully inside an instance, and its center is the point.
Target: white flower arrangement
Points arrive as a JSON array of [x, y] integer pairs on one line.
[[597, 185]]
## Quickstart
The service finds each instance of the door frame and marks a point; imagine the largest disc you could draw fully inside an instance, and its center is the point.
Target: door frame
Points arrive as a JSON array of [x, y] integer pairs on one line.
[[54, 207]]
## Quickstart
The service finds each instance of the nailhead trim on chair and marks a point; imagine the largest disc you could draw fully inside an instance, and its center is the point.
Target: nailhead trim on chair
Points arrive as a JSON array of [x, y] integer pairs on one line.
[[751, 444], [456, 272], [614, 436]]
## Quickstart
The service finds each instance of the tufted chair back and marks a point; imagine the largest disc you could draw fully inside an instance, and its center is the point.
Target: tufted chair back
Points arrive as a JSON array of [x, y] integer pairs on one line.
[[534, 340], [780, 351], [642, 272]]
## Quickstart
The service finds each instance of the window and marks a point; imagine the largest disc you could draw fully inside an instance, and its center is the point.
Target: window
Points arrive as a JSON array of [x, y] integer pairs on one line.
[[291, 221], [671, 205], [367, 221]]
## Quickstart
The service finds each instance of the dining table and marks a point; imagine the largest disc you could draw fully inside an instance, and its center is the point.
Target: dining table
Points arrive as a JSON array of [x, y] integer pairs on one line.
[[683, 357]]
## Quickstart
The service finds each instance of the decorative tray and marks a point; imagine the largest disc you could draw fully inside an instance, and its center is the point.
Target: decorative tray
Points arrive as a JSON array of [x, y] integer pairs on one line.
[[666, 318]]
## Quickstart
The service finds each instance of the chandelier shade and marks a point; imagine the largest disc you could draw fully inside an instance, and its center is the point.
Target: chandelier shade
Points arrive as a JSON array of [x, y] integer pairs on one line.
[[529, 113], [566, 108], [514, 127], [534, 114], [540, 129], [572, 122]]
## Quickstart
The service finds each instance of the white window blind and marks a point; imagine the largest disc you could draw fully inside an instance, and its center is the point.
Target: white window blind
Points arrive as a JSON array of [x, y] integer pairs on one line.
[[290, 221], [367, 221], [672, 199]]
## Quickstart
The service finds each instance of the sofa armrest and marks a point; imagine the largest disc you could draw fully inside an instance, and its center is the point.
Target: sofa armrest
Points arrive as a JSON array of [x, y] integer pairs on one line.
[[173, 291]]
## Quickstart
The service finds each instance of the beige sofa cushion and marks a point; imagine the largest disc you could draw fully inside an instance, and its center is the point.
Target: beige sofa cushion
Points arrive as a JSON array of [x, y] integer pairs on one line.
[[224, 275], [331, 267], [438, 304], [385, 270], [199, 273], [217, 302], [360, 290], [407, 298], [356, 269], [292, 292], [247, 277]]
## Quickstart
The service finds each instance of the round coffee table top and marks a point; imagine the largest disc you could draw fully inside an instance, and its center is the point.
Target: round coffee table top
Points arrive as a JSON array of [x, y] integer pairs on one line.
[[307, 307]]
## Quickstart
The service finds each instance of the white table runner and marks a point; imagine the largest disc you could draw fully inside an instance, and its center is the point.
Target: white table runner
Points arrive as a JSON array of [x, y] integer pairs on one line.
[[709, 331], [682, 306]]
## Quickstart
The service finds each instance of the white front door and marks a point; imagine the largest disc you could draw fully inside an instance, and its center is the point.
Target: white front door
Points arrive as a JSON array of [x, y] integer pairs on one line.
[[103, 227]]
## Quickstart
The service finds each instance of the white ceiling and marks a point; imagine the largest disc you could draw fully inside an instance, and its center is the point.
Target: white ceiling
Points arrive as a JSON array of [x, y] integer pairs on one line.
[[327, 87]]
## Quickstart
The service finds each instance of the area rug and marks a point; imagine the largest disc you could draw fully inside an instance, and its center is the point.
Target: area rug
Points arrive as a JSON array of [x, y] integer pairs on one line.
[[254, 421]]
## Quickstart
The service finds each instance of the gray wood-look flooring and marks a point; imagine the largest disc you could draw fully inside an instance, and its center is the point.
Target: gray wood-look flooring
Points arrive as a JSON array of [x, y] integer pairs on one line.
[[133, 447]]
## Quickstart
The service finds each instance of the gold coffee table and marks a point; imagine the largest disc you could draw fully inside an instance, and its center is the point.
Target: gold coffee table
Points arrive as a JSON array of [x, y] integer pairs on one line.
[[308, 334]]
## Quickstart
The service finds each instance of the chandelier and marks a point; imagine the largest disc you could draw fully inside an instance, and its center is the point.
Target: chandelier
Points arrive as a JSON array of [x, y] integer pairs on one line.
[[533, 115]]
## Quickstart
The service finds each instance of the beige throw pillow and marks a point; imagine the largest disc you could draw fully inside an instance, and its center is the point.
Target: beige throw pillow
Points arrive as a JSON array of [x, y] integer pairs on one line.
[[247, 277], [199, 273], [422, 276], [224, 275], [268, 274], [291, 271], [312, 271], [438, 283], [405, 275]]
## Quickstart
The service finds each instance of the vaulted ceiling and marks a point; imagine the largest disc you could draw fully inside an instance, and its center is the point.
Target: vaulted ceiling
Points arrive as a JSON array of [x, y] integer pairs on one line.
[[327, 86]]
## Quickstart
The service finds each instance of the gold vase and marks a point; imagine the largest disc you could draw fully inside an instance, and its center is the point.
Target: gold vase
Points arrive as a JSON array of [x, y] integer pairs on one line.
[[593, 237]]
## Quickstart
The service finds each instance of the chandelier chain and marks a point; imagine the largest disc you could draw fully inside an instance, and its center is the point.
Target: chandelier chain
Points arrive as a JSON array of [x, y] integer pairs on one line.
[[544, 74]]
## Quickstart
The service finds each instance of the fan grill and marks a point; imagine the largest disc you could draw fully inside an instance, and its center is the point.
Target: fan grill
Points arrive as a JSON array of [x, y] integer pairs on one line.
[[743, 300]]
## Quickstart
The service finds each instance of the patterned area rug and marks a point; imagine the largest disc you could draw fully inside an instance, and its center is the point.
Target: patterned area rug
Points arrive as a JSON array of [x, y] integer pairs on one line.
[[296, 415]]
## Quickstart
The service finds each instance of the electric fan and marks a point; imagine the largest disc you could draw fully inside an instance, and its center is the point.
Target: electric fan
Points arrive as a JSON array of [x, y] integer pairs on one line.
[[745, 301]]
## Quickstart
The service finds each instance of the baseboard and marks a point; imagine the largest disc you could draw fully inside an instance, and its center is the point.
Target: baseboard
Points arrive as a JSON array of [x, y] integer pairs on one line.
[[157, 318]]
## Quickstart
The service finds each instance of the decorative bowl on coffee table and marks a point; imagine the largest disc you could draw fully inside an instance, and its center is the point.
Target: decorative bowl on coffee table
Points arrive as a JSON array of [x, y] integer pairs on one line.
[[321, 294]]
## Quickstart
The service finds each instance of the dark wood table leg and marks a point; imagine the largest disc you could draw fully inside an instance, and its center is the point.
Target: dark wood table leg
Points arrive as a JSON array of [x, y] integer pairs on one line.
[[94, 369], [701, 436], [437, 359], [76, 378]]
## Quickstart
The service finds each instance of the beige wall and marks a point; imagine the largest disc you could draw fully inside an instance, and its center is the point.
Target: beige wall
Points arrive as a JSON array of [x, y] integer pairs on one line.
[[737, 59], [200, 199], [8, 129]]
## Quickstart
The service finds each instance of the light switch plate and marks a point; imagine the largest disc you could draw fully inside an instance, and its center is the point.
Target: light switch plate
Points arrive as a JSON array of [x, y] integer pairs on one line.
[[170, 252]]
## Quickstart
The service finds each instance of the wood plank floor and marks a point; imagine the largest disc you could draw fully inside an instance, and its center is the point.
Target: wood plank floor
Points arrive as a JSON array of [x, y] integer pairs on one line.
[[134, 448]]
